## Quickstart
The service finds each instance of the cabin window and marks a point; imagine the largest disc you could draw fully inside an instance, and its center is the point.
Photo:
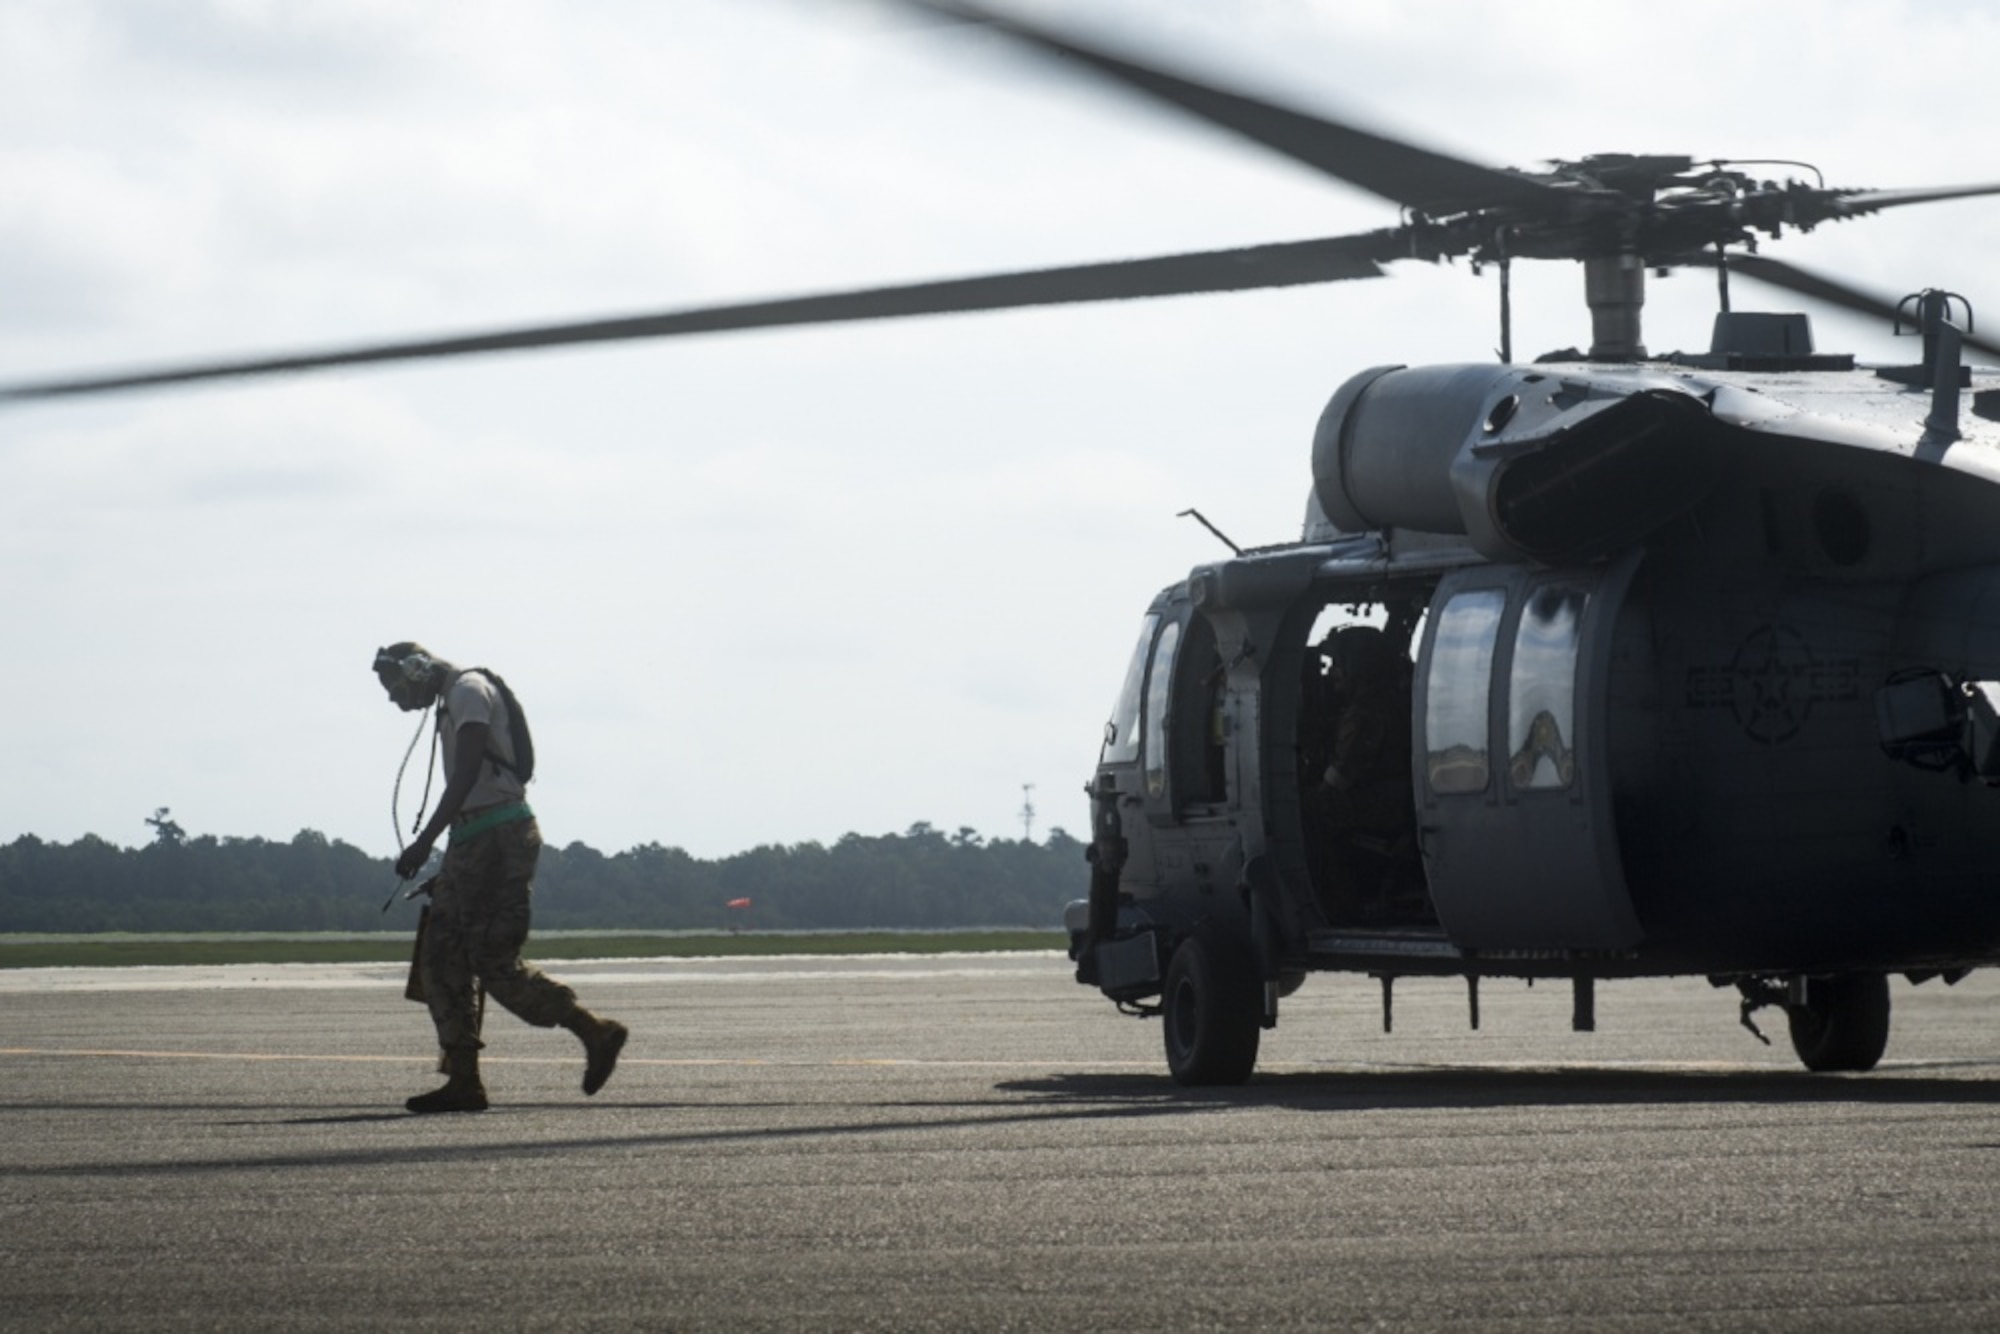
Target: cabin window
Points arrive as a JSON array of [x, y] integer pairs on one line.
[[1198, 740], [1541, 703], [1459, 689], [1158, 693], [1121, 734]]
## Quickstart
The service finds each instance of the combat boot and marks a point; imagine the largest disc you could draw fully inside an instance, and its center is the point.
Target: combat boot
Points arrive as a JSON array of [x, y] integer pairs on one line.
[[602, 1040], [462, 1091]]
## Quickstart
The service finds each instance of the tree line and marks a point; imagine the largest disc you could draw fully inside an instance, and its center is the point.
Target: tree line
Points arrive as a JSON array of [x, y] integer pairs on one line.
[[919, 878]]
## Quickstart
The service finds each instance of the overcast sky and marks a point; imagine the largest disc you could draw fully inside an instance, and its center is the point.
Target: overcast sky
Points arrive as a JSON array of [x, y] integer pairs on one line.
[[764, 587]]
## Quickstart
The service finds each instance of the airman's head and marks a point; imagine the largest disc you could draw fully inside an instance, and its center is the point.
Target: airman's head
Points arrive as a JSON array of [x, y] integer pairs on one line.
[[410, 675], [1355, 654]]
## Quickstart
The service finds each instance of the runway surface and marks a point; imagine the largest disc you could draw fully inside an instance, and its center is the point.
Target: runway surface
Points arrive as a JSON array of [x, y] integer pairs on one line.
[[977, 1143]]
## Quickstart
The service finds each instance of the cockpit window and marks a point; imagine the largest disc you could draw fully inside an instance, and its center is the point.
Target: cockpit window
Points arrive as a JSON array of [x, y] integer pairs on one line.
[[1459, 689], [1541, 705], [1158, 692], [1121, 734]]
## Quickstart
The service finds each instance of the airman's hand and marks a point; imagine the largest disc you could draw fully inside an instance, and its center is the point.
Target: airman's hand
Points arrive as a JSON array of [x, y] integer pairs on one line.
[[413, 859]]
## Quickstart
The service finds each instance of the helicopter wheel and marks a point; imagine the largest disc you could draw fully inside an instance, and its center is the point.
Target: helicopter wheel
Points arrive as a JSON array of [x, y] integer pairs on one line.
[[1844, 1022], [1211, 1011]]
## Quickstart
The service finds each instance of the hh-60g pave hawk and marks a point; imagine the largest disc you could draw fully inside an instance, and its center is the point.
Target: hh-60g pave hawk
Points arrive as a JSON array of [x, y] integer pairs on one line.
[[1594, 667]]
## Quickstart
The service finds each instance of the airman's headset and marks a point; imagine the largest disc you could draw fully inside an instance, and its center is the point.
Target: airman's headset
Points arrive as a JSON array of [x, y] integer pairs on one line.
[[410, 661]]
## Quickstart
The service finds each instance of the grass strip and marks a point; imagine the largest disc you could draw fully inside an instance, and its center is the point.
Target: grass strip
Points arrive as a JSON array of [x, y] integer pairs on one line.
[[394, 947]]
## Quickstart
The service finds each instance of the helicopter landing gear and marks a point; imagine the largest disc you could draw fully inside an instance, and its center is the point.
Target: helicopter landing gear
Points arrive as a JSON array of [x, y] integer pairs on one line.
[[1838, 1023], [1211, 1011], [1842, 1023]]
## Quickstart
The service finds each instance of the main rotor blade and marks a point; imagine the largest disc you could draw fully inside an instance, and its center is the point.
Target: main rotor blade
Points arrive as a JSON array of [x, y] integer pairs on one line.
[[1834, 293], [1868, 201], [1286, 264], [1416, 177]]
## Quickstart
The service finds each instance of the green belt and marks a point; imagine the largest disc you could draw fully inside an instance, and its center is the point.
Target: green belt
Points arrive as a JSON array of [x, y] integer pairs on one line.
[[486, 820]]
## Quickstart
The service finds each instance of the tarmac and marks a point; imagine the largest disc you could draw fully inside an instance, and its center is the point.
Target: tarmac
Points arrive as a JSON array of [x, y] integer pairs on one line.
[[976, 1143]]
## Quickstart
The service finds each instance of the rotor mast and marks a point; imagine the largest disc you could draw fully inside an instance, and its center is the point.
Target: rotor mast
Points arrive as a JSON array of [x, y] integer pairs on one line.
[[1615, 288]]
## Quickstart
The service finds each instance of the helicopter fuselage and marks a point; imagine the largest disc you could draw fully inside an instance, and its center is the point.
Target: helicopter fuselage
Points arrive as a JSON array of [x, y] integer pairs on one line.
[[1643, 619]]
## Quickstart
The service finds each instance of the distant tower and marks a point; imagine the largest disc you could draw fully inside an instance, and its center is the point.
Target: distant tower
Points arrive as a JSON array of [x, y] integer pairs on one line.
[[1028, 812]]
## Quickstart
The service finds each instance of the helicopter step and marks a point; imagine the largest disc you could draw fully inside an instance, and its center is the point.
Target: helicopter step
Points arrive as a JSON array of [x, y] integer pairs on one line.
[[1386, 949]]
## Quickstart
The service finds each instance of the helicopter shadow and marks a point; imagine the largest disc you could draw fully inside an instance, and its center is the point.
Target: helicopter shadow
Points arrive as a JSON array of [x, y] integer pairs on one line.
[[1444, 1088]]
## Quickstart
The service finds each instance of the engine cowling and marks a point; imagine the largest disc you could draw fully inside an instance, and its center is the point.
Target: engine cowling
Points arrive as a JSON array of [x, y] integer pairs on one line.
[[1526, 464]]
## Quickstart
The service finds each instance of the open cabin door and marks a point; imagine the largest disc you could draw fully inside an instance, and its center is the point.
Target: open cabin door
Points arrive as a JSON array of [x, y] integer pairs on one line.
[[1513, 784]]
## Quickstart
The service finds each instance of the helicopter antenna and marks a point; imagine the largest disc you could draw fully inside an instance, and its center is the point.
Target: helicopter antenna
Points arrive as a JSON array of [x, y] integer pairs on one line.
[[1202, 519], [1027, 812]]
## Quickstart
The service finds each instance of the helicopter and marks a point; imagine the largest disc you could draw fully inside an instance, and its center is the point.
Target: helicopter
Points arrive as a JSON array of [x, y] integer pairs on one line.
[[1695, 684]]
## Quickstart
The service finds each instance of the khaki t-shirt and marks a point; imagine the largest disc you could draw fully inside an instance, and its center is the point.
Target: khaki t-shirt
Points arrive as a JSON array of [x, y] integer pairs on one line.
[[471, 698]]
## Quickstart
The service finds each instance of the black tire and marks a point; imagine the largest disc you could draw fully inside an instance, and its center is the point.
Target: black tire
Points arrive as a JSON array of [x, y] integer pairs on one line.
[[1844, 1023], [1212, 1011]]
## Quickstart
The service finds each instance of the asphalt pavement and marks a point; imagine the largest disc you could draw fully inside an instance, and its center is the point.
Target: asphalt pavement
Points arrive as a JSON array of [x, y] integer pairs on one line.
[[974, 1142]]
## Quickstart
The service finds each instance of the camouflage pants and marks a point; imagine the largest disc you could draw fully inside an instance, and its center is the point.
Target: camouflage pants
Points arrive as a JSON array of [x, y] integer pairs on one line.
[[478, 923]]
